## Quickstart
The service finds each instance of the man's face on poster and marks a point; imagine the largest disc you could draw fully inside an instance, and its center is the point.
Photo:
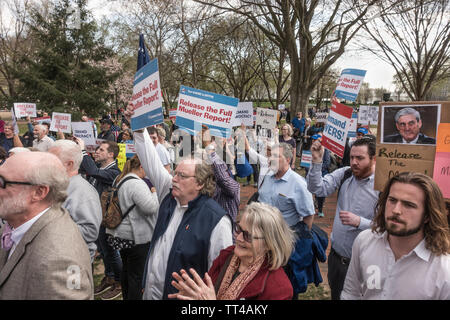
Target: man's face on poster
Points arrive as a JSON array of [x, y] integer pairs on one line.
[[408, 127]]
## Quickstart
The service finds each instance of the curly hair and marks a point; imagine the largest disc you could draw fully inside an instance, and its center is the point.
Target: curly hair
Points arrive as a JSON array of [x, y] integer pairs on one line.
[[436, 227], [204, 175]]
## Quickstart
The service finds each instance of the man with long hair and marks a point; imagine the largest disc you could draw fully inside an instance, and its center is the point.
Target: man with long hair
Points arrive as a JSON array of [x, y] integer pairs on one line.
[[406, 254]]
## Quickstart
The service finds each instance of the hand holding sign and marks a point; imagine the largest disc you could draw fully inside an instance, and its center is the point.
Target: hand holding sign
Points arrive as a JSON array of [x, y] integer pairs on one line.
[[317, 151]]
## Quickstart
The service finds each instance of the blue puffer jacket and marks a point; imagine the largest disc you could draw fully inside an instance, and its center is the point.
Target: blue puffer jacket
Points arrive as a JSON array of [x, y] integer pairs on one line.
[[310, 247]]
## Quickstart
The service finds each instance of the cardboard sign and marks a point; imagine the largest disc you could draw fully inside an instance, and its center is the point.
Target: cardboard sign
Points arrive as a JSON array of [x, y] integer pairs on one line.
[[266, 118], [336, 128], [396, 158], [441, 173], [197, 107], [321, 117], [84, 131], [23, 109], [349, 84], [147, 98], [244, 114], [61, 121], [306, 159]]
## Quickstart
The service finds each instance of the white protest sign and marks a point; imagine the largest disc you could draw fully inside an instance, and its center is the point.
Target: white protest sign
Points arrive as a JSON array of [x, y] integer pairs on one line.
[[24, 109], [306, 159], [363, 114], [14, 122], [244, 114], [336, 129], [61, 121], [84, 131], [266, 118], [147, 99], [373, 115], [197, 107], [281, 107], [321, 117]]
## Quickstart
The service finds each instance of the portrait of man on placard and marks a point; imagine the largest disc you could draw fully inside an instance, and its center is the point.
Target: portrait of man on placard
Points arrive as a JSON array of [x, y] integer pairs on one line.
[[410, 124]]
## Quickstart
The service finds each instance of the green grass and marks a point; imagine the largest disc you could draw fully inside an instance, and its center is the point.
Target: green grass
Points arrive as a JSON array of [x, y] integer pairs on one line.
[[321, 292]]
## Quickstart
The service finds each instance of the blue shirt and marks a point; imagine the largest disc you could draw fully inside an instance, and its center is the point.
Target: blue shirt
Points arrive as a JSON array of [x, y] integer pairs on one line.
[[299, 124], [289, 194]]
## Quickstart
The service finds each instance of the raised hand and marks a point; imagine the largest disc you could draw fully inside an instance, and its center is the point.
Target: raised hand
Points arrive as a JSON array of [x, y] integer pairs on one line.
[[192, 289]]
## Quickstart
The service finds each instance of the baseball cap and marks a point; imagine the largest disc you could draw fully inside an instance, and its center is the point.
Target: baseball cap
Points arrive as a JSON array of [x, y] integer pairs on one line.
[[316, 136], [363, 130]]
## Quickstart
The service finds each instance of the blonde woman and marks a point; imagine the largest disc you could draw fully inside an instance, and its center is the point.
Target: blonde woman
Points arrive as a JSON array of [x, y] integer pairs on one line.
[[250, 269]]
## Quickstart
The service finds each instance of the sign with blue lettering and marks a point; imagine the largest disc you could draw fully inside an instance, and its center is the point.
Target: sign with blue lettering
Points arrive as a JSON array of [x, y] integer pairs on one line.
[[349, 84], [147, 98], [197, 107], [353, 126], [336, 128]]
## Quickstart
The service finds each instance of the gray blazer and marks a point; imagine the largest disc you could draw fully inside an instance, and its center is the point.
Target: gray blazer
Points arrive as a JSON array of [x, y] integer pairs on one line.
[[50, 262]]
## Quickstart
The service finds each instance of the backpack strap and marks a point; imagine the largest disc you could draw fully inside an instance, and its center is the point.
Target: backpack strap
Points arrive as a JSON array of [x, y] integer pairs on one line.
[[121, 182], [347, 174]]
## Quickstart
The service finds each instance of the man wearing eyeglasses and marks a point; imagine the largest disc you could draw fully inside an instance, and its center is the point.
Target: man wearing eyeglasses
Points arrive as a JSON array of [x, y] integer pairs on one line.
[[191, 228], [43, 254], [408, 124]]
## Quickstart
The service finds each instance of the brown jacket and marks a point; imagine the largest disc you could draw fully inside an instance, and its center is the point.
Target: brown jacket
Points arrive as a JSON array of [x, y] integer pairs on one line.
[[51, 262]]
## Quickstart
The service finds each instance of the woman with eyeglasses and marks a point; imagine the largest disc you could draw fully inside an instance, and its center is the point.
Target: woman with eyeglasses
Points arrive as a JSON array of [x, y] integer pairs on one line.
[[250, 269], [286, 136]]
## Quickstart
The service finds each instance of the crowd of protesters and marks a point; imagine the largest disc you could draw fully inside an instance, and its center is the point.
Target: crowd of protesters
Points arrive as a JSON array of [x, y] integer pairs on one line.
[[182, 234]]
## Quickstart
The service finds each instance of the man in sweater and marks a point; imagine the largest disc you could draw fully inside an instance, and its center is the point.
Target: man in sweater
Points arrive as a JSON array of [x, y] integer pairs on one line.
[[83, 202]]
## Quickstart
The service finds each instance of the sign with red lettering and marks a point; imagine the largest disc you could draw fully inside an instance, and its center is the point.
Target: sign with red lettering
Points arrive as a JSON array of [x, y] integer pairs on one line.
[[336, 128], [61, 121], [23, 109]]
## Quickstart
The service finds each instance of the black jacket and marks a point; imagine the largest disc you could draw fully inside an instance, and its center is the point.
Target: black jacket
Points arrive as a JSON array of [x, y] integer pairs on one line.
[[100, 178], [397, 138]]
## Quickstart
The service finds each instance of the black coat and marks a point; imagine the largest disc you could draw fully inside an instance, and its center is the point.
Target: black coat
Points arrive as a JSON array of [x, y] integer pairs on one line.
[[397, 138]]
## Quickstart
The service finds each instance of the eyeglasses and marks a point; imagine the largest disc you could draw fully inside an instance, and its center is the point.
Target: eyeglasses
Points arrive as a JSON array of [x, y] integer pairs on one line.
[[181, 175], [4, 182], [247, 236]]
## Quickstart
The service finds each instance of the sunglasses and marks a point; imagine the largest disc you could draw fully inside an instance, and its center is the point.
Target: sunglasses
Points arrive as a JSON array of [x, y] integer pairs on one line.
[[247, 236], [4, 182]]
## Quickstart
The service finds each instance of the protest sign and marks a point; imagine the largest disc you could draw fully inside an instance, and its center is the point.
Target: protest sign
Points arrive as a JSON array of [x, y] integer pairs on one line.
[[266, 121], [61, 121], [336, 128], [14, 122], [373, 114], [122, 157], [197, 107], [321, 117], [281, 107], [84, 131], [353, 125], [24, 109], [306, 159], [172, 114], [441, 173], [41, 120], [244, 114], [130, 150], [364, 114], [394, 158], [91, 148], [349, 84], [147, 99]]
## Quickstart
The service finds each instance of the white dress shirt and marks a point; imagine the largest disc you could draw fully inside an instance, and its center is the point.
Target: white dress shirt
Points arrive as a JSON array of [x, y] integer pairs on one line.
[[221, 236], [374, 274], [18, 233]]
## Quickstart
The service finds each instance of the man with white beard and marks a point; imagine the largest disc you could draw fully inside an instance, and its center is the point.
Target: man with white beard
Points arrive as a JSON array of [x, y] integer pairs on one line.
[[41, 245]]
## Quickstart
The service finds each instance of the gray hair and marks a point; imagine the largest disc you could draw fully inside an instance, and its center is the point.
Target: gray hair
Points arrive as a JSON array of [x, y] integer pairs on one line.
[[288, 151], [49, 171], [405, 111], [19, 149], [69, 151]]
